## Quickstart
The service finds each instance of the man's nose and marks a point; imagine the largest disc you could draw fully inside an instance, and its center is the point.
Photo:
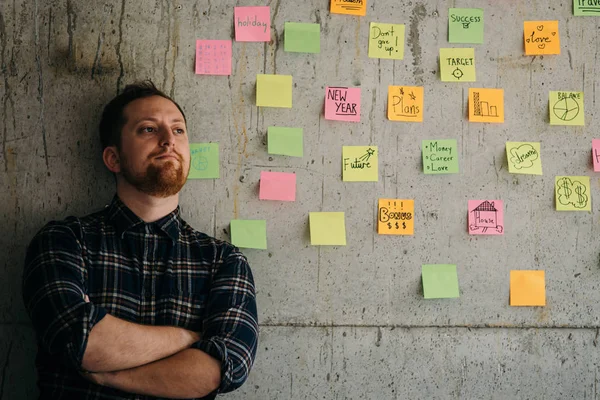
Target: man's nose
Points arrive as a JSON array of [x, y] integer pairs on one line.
[[167, 137]]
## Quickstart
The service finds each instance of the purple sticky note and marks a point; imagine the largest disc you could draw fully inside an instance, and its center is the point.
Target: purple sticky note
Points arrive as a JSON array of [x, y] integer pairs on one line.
[[213, 57], [486, 217], [596, 154], [342, 104], [277, 186], [252, 24]]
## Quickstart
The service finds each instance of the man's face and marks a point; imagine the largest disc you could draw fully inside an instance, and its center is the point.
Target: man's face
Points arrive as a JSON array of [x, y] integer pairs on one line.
[[155, 152]]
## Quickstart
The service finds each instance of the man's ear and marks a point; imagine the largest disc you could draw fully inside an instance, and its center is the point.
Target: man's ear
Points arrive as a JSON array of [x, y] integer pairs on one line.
[[111, 159]]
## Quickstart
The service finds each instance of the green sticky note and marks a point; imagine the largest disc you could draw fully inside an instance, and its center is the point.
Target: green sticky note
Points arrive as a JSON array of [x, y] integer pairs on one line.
[[572, 193], [524, 158], [274, 90], [440, 281], [327, 228], [440, 156], [589, 8], [249, 233], [386, 41], [285, 141], [457, 65], [204, 161], [566, 108], [465, 25], [302, 38]]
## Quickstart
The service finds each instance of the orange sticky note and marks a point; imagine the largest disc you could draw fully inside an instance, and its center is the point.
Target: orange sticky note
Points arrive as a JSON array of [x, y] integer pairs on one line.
[[486, 105], [541, 37], [405, 103], [351, 7], [527, 288], [396, 217]]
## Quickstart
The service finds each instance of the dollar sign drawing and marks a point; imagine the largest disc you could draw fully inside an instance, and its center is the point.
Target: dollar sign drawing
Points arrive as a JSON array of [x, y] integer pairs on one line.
[[404, 225], [580, 199], [568, 192], [397, 226], [389, 225]]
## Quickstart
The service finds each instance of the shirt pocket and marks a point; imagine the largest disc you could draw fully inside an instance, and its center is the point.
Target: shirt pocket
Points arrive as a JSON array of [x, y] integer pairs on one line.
[[181, 302]]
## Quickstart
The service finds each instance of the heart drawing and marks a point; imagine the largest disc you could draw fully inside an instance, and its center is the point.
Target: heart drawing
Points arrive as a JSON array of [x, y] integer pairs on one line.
[[540, 28], [542, 46]]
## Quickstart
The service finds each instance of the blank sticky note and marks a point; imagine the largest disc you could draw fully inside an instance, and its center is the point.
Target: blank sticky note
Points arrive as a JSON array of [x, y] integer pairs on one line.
[[274, 90], [405, 103], [572, 193], [386, 41], [440, 156], [342, 104], [440, 281], [465, 25], [524, 158], [302, 37], [486, 217], [249, 233], [360, 164], [566, 108], [285, 141], [204, 162], [486, 105], [327, 228], [396, 217], [213, 57], [277, 186], [596, 154], [457, 65], [252, 24], [527, 288], [351, 7], [541, 37], [586, 8]]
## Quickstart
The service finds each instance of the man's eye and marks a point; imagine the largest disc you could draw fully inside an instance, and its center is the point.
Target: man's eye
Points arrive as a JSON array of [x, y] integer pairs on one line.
[[180, 131], [148, 129]]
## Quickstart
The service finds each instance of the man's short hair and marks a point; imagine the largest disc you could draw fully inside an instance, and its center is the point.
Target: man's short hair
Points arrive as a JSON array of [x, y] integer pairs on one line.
[[113, 120]]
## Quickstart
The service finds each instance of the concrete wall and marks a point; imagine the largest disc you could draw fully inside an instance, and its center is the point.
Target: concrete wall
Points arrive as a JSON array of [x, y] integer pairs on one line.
[[345, 322]]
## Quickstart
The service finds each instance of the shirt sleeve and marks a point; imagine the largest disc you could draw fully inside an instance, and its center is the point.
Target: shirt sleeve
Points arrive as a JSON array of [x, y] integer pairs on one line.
[[230, 330], [53, 293]]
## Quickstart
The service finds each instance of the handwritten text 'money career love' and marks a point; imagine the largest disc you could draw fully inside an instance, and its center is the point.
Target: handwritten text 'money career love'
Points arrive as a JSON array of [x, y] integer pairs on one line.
[[438, 156]]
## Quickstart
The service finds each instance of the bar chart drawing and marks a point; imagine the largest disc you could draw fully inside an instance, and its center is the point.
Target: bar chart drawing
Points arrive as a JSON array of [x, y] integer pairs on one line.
[[483, 108]]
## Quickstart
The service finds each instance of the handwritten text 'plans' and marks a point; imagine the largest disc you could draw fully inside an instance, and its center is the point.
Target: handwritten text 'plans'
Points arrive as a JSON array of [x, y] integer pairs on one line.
[[405, 103], [342, 104]]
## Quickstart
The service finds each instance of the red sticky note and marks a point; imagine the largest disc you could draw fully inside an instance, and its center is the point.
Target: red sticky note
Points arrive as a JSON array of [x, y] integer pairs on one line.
[[486, 217], [342, 104], [252, 24], [277, 186], [213, 57], [596, 154]]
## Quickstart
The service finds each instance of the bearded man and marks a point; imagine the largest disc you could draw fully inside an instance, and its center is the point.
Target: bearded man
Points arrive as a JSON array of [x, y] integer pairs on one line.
[[131, 302]]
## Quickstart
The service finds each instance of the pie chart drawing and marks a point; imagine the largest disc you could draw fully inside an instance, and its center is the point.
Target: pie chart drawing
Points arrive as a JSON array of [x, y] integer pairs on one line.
[[566, 109], [200, 163]]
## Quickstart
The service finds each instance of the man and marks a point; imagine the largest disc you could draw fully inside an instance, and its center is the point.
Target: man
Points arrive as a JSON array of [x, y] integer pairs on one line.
[[131, 302]]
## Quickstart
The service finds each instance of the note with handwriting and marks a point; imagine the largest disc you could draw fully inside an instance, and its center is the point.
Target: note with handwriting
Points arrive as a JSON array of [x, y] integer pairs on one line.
[[440, 281], [486, 217], [405, 103], [249, 233], [252, 24], [360, 164], [486, 105], [204, 163], [302, 37], [541, 37], [342, 104], [465, 25], [596, 154], [527, 288], [457, 65], [350, 7], [590, 8], [327, 228], [396, 217], [277, 186], [274, 90], [386, 41], [566, 108], [440, 156], [285, 141], [213, 57], [524, 158], [572, 193]]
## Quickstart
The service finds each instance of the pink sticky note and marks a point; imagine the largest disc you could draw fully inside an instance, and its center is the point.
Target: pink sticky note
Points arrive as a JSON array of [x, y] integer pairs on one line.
[[596, 154], [252, 24], [486, 217], [342, 104], [213, 57], [277, 186]]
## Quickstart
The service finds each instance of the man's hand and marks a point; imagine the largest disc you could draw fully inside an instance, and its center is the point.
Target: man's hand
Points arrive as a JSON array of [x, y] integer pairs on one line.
[[99, 378]]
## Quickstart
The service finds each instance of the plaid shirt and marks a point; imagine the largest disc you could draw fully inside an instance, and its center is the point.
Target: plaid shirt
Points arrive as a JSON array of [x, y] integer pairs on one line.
[[160, 273]]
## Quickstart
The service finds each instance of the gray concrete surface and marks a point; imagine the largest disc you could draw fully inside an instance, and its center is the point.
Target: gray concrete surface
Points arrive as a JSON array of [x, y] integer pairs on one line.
[[343, 322]]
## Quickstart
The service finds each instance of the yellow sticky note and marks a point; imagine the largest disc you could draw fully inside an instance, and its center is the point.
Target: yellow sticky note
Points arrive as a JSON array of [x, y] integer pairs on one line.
[[274, 90], [405, 103], [572, 193], [524, 158], [327, 228], [457, 65], [360, 164], [351, 7], [396, 217], [486, 105], [541, 37], [566, 108], [386, 41], [527, 288]]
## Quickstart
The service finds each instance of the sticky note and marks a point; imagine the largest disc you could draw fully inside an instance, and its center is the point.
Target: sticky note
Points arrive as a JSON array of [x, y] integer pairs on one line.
[[274, 90], [440, 281], [213, 57], [360, 164], [302, 37], [527, 288], [249, 233], [396, 217], [386, 41], [277, 186], [457, 65], [252, 24], [342, 104], [486, 217], [586, 8], [573, 193], [327, 228], [405, 103], [465, 25], [440, 156], [351, 7], [204, 162], [596, 154], [541, 37], [285, 141], [566, 108], [486, 105], [524, 158]]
